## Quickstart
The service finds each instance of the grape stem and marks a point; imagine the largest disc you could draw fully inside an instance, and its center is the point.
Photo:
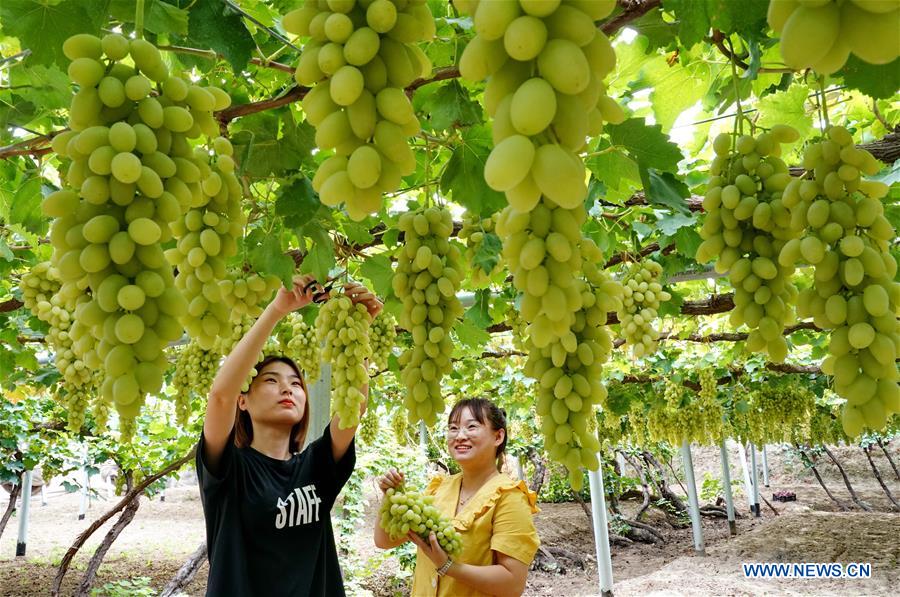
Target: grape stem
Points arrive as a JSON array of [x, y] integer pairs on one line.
[[139, 19]]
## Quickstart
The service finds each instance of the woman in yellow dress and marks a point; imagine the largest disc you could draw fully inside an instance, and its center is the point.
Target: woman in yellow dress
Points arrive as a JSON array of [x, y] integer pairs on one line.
[[492, 512]]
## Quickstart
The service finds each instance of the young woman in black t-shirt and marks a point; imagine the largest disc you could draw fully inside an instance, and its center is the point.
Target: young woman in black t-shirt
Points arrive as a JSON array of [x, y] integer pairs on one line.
[[267, 504]]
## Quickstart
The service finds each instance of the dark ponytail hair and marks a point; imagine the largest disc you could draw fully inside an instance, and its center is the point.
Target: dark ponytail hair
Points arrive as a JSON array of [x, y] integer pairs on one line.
[[485, 412], [243, 424]]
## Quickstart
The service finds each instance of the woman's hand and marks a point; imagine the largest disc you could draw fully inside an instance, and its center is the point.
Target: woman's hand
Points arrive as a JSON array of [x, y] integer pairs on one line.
[[287, 300], [360, 294], [432, 549], [392, 478]]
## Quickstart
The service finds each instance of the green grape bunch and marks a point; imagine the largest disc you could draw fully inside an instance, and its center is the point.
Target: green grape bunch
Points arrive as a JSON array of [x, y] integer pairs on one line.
[[844, 234], [368, 427], [195, 370], [569, 372], [698, 419], [360, 57], [383, 338], [303, 347], [821, 34], [478, 234], [46, 298], [426, 280], [642, 296], [129, 172], [400, 427], [747, 223], [343, 330], [207, 234], [404, 510]]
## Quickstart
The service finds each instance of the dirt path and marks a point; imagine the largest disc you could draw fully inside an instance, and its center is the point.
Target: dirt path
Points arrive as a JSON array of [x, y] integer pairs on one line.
[[164, 534]]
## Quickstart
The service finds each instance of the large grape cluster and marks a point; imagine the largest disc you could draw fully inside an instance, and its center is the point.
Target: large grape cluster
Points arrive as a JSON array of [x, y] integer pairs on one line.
[[360, 58], [195, 370], [695, 420], [746, 225], [343, 330], [568, 371], [128, 177], [482, 249], [543, 248], [544, 63], [301, 345], [403, 510], [206, 235], [426, 280], [821, 34], [847, 238], [642, 294], [382, 338]]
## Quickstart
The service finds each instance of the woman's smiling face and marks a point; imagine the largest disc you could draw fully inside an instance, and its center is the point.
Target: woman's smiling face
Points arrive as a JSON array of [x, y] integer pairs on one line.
[[470, 441]]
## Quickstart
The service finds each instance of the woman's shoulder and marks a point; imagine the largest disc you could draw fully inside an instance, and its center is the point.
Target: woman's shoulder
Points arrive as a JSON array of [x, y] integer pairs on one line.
[[509, 490], [439, 481]]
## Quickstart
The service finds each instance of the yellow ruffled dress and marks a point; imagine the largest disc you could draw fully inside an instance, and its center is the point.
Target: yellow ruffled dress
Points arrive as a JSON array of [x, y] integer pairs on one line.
[[497, 518]]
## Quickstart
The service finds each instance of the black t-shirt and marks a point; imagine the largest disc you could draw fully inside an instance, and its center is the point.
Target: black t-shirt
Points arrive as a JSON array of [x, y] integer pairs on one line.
[[268, 521]]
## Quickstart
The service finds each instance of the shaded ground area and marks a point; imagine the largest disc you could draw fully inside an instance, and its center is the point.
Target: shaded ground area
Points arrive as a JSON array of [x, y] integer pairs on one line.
[[164, 534]]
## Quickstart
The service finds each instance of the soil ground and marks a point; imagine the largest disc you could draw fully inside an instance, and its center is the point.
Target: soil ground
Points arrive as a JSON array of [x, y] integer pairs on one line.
[[165, 533]]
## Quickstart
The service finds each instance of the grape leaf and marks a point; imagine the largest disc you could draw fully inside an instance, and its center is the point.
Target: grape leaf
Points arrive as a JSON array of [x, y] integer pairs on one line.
[[297, 203], [646, 144], [479, 312], [670, 223], [215, 26], [697, 17], [786, 107], [612, 167], [159, 17], [25, 208], [45, 86], [269, 258], [42, 26], [260, 149], [877, 81], [464, 174], [450, 105], [470, 334], [377, 268], [488, 254], [319, 258]]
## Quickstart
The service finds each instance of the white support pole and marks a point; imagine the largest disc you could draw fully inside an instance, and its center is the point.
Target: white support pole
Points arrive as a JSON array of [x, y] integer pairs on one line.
[[693, 502], [601, 532], [620, 458], [43, 496], [726, 481], [765, 466], [748, 484], [319, 404], [85, 488], [756, 510], [423, 438], [520, 471], [23, 515]]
